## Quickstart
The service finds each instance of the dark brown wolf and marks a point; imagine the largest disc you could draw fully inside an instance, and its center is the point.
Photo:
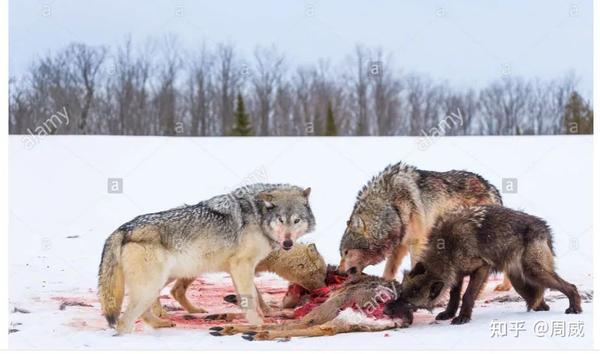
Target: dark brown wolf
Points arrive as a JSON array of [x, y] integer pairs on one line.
[[475, 241]]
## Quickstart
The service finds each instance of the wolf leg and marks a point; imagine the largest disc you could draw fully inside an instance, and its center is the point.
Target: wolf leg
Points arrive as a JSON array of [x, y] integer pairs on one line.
[[453, 302], [393, 262], [149, 317], [538, 268], [178, 292], [477, 281], [242, 274], [549, 279], [157, 309], [531, 293], [415, 251], [418, 238], [145, 275]]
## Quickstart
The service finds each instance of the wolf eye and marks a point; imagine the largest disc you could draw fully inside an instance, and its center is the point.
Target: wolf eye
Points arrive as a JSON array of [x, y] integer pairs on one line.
[[280, 219], [296, 220]]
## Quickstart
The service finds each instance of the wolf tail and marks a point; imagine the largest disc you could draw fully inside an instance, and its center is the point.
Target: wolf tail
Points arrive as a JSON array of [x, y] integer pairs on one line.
[[111, 284]]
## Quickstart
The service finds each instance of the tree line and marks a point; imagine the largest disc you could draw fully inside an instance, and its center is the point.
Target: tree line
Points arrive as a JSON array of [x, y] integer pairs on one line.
[[159, 89]]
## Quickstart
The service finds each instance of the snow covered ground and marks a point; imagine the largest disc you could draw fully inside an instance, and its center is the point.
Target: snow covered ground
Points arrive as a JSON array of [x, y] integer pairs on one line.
[[61, 213]]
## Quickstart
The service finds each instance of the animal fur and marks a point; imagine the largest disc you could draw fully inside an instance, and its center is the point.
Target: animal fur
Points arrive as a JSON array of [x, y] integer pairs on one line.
[[302, 265], [395, 211], [230, 233], [475, 241], [354, 307]]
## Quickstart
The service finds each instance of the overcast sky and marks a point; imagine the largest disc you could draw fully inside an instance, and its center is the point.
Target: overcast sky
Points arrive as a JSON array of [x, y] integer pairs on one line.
[[467, 43]]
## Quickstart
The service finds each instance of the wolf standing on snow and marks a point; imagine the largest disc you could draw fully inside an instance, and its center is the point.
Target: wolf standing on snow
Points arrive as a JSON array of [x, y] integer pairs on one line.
[[395, 211], [229, 233], [475, 241]]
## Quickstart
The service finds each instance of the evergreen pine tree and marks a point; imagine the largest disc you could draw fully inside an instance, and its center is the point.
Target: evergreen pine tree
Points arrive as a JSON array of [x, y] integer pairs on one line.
[[242, 121], [578, 117], [330, 128]]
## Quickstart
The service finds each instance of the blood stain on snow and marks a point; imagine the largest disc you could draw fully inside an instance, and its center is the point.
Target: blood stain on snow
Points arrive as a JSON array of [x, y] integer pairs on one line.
[[202, 293]]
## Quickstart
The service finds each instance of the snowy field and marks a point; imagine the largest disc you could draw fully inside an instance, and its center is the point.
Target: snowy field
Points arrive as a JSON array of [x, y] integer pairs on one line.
[[61, 213]]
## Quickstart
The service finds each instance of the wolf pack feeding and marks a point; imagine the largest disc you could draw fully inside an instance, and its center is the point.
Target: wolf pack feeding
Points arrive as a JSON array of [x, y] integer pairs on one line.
[[451, 223]]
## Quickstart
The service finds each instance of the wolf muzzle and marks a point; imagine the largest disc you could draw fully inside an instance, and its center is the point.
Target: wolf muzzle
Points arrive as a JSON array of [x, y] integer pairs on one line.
[[400, 309]]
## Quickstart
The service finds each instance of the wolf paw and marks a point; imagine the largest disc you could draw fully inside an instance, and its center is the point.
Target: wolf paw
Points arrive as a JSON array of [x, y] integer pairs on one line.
[[574, 309], [445, 315], [460, 319], [542, 307]]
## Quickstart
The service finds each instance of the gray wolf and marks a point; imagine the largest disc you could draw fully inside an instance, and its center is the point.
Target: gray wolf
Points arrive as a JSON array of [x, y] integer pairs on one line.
[[355, 307], [473, 242], [395, 211], [229, 233]]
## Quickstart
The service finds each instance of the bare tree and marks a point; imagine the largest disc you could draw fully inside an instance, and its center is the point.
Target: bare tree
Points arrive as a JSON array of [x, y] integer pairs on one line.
[[360, 83], [165, 98], [266, 78], [145, 90], [464, 105], [503, 106], [129, 89], [86, 67], [386, 94], [19, 109], [200, 88], [227, 77]]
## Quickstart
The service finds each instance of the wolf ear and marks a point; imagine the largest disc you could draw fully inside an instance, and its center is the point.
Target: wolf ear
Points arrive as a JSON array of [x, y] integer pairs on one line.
[[435, 290], [266, 198], [306, 192], [419, 268]]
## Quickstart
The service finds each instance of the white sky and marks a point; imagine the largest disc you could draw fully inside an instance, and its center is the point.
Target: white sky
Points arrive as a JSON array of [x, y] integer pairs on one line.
[[467, 43]]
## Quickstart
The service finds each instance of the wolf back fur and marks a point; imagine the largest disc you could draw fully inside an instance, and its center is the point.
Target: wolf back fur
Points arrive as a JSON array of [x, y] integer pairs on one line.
[[395, 211], [475, 241]]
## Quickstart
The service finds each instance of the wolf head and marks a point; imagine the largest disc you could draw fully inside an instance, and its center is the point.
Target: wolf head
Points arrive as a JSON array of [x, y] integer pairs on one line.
[[302, 264], [370, 235], [420, 288], [286, 214], [311, 270]]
